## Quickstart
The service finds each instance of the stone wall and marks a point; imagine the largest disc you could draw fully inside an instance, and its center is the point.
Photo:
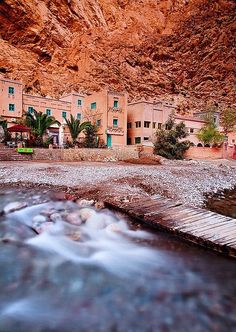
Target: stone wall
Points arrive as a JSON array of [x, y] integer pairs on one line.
[[204, 153], [114, 154]]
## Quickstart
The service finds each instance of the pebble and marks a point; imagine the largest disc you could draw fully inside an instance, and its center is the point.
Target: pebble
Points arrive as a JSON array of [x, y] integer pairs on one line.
[[40, 228], [14, 206], [85, 202], [74, 218], [86, 213], [55, 217], [99, 205], [39, 219]]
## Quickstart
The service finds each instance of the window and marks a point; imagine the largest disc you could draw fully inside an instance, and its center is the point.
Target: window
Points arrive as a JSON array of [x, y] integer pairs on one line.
[[79, 102], [98, 122], [137, 140], [48, 111], [64, 114], [11, 107], [11, 90], [159, 125], [115, 103], [30, 109], [154, 125], [146, 138], [93, 106], [128, 140], [146, 124], [138, 124], [233, 141], [115, 122], [78, 116], [191, 130], [129, 125]]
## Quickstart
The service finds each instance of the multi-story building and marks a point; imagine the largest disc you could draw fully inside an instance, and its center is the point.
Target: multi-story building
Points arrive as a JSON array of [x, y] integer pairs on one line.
[[107, 109], [145, 117], [11, 103]]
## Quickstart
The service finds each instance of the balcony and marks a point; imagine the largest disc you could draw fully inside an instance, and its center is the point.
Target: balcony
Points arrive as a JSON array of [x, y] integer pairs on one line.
[[115, 131], [115, 109]]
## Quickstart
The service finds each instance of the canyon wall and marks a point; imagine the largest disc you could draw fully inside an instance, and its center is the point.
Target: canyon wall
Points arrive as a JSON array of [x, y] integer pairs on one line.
[[182, 50]]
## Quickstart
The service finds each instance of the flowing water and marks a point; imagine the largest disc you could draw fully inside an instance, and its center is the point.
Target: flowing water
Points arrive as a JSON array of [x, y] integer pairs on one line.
[[67, 268]]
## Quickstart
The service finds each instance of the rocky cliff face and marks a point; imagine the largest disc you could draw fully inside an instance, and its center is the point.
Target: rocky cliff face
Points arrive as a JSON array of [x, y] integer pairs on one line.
[[179, 49]]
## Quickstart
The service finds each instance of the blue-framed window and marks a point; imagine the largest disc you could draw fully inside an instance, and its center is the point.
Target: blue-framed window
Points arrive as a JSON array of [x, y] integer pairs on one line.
[[93, 106], [78, 116], [115, 103], [48, 111], [98, 122], [115, 122], [11, 107], [11, 90], [30, 109], [64, 114], [79, 102]]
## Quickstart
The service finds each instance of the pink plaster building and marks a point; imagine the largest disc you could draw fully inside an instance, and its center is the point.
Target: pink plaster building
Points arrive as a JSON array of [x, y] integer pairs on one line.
[[11, 103], [145, 117], [107, 109]]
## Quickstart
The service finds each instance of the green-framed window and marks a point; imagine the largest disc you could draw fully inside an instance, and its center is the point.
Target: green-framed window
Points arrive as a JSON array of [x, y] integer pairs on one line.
[[78, 116], [48, 111], [79, 102], [129, 125], [11, 107], [115, 104], [64, 114], [115, 122], [30, 109], [137, 140], [11, 90], [98, 122], [93, 106]]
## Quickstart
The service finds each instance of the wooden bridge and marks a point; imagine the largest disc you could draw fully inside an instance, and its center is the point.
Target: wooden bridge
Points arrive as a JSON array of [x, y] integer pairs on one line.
[[200, 226]]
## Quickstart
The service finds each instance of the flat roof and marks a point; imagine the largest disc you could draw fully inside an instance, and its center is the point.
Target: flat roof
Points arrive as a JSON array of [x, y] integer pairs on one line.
[[188, 118], [58, 100], [10, 81]]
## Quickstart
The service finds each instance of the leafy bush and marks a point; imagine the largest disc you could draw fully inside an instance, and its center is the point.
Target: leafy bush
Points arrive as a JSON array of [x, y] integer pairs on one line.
[[168, 144], [209, 134]]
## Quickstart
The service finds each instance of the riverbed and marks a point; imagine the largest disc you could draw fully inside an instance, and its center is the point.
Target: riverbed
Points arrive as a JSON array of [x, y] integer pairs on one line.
[[69, 267]]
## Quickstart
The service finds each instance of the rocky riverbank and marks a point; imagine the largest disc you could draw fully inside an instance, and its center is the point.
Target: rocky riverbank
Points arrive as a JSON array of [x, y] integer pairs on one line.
[[185, 181]]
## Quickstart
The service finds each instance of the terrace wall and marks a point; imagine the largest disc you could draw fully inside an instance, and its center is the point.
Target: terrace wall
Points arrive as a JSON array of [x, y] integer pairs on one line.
[[115, 154], [204, 153]]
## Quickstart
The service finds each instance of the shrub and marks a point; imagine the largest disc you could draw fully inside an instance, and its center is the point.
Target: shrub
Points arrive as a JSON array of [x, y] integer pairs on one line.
[[168, 144]]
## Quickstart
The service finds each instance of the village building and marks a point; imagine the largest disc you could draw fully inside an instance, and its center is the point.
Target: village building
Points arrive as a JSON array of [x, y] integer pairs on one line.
[[145, 117], [106, 109]]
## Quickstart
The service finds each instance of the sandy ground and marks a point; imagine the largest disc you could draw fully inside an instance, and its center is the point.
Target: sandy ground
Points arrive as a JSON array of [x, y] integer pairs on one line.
[[186, 181]]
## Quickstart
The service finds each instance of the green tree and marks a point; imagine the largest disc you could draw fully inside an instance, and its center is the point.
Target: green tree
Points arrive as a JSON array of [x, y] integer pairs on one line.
[[168, 142], [228, 120], [91, 137], [7, 135], [39, 123], [75, 127], [209, 134]]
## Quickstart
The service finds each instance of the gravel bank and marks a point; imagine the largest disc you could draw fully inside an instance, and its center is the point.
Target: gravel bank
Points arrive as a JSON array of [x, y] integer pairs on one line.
[[180, 180]]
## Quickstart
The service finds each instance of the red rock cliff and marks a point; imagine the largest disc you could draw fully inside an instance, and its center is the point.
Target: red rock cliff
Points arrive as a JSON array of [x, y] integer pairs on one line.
[[181, 49]]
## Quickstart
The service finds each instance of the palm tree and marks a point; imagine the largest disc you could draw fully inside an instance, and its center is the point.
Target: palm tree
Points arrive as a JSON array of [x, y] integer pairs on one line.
[[75, 127], [39, 123]]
